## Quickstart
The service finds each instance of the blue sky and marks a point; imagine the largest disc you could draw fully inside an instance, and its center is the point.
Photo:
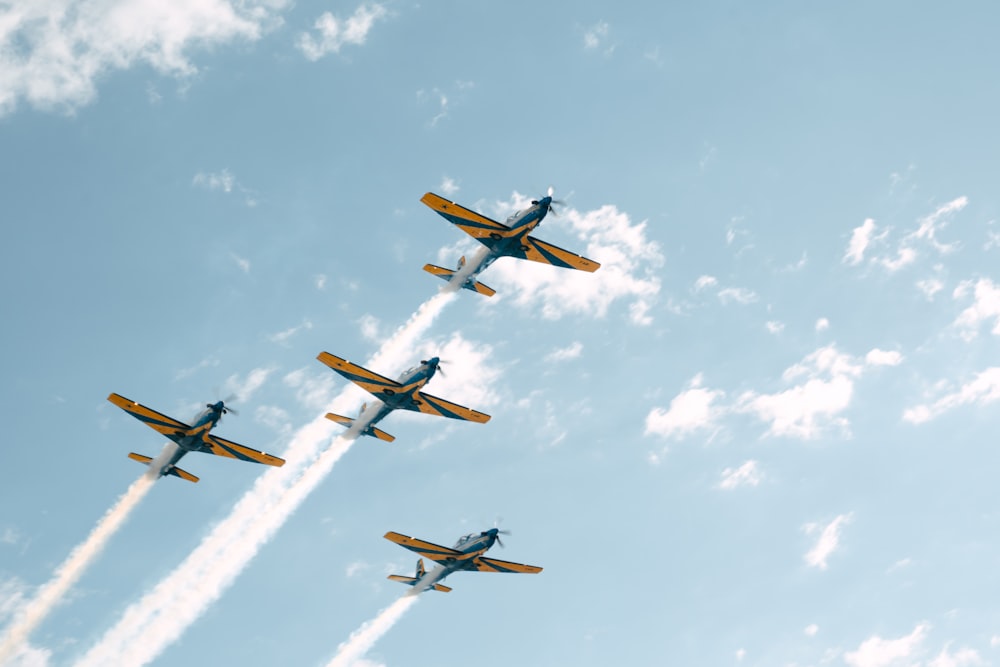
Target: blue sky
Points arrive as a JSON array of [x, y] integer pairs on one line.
[[762, 434]]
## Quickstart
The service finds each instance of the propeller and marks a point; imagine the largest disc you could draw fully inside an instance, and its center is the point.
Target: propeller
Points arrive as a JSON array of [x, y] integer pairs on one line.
[[550, 207], [496, 526], [439, 368]]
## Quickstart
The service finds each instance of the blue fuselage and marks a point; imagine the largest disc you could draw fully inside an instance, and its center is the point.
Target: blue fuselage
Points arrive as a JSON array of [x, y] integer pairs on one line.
[[193, 439], [403, 398], [471, 546], [523, 222]]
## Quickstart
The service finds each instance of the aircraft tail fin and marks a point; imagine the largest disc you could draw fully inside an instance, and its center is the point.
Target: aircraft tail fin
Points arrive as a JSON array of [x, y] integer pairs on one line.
[[175, 471], [371, 430], [412, 581], [448, 274]]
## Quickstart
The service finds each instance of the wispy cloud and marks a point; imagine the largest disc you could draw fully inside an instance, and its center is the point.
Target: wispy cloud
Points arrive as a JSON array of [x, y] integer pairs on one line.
[[52, 54], [861, 237], [449, 187], [572, 351], [282, 337], [241, 262], [184, 373], [224, 181], [694, 409], [828, 541], [822, 324], [332, 34], [775, 327], [963, 657], [244, 388], [596, 35], [910, 247], [823, 391], [878, 652], [985, 307], [747, 474], [983, 389], [740, 295]]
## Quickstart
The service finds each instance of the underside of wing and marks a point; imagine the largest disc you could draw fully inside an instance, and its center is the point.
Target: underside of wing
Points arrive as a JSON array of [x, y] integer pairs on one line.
[[475, 225], [429, 550], [160, 423], [546, 253], [432, 405], [370, 381], [222, 447], [493, 565]]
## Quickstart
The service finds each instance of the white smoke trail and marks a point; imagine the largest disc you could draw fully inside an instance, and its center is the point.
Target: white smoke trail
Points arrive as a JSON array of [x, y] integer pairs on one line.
[[149, 625], [50, 594], [362, 639]]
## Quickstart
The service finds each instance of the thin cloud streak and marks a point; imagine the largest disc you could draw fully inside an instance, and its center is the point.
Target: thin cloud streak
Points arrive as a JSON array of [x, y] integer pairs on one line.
[[149, 625], [73, 567]]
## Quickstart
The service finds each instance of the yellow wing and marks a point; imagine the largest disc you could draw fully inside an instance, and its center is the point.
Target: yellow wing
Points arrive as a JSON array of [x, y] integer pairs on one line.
[[370, 381], [475, 225], [432, 405], [546, 253], [493, 565], [222, 447], [159, 422], [429, 550]]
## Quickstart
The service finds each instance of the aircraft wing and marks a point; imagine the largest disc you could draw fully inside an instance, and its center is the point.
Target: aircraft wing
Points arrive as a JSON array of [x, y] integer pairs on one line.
[[484, 564], [546, 253], [222, 447], [371, 382], [160, 423], [475, 225], [432, 405], [429, 550]]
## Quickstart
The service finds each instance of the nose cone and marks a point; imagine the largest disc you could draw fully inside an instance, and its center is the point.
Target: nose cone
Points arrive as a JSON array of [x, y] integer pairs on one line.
[[545, 202], [217, 407], [433, 362]]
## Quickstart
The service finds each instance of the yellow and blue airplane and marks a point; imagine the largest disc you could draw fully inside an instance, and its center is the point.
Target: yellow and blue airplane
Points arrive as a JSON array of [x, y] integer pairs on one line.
[[195, 438], [503, 240], [465, 556], [402, 395]]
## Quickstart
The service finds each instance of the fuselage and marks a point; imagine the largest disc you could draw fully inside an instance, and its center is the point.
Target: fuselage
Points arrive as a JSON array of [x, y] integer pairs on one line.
[[471, 546], [192, 440], [523, 223], [403, 397]]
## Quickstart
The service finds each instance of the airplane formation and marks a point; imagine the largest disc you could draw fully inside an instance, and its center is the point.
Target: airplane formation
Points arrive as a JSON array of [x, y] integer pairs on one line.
[[509, 239]]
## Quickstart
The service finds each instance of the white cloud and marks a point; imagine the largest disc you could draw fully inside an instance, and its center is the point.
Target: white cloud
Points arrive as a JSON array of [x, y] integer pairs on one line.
[[705, 281], [334, 33], [369, 327], [807, 409], [245, 388], [878, 652], [986, 306], [860, 238], [691, 410], [273, 417], [740, 654], [828, 541], [900, 564], [467, 375], [595, 35], [313, 389], [53, 53], [930, 287], [775, 327], [629, 268], [241, 262], [811, 630], [738, 294], [572, 351], [356, 568], [930, 225], [282, 337], [822, 324], [184, 373], [321, 281], [224, 180], [877, 357], [747, 474], [448, 186], [904, 257], [981, 390], [960, 658], [923, 237]]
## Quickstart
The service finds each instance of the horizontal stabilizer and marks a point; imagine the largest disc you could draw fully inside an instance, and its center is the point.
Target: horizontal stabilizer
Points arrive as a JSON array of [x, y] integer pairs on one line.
[[175, 471], [412, 581], [448, 274], [371, 430]]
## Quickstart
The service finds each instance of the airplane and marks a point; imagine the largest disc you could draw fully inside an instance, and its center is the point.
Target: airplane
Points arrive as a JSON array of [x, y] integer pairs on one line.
[[503, 240], [195, 438], [402, 395], [465, 556]]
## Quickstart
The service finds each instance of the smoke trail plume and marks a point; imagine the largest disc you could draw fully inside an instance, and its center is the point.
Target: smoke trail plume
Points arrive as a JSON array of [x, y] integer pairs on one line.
[[50, 594], [362, 639], [149, 625]]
